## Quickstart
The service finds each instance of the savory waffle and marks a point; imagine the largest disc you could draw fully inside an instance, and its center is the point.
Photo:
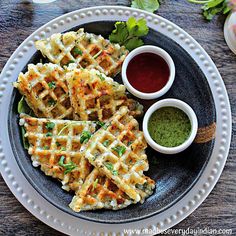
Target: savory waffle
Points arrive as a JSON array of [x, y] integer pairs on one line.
[[95, 96], [85, 49], [99, 192], [45, 90], [117, 150], [54, 145]]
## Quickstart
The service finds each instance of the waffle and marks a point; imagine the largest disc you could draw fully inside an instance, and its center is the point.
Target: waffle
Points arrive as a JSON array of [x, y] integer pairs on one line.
[[118, 151], [95, 96], [99, 192], [85, 49], [46, 91], [54, 145]]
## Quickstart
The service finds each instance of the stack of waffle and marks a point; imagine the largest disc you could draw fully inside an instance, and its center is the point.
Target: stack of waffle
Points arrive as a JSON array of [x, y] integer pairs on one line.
[[84, 133]]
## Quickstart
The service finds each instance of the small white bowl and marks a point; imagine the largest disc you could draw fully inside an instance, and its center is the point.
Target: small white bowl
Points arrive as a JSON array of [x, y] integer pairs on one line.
[[171, 103], [155, 50]]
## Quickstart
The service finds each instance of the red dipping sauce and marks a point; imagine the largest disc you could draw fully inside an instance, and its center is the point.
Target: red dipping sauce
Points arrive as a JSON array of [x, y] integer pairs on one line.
[[148, 72]]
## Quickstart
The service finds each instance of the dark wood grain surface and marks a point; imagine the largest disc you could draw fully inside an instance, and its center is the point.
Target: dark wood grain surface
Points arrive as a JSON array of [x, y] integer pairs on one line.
[[18, 19]]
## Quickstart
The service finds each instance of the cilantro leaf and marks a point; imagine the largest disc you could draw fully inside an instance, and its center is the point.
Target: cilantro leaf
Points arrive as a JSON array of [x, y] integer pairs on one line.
[[213, 7], [127, 33], [109, 166], [76, 52], [48, 134], [68, 166], [120, 150], [50, 125], [85, 136], [133, 43], [120, 33], [106, 143], [52, 84], [147, 5], [51, 102]]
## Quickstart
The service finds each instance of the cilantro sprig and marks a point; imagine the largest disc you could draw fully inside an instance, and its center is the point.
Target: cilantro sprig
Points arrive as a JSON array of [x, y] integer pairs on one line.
[[68, 166], [147, 5], [128, 33], [213, 7]]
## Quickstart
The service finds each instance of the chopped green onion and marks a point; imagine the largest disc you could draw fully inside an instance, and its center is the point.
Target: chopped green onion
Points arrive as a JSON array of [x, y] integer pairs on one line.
[[97, 54]]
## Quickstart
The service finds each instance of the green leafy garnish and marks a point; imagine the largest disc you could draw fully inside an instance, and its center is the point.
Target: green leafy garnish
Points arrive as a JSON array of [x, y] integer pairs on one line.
[[129, 143], [45, 147], [115, 172], [76, 52], [63, 149], [95, 183], [52, 85], [58, 144], [102, 124], [106, 143], [128, 33], [85, 136], [120, 150], [101, 77], [51, 102], [48, 134], [109, 166], [68, 166], [212, 7], [23, 107], [24, 139], [147, 5], [69, 62], [50, 125]]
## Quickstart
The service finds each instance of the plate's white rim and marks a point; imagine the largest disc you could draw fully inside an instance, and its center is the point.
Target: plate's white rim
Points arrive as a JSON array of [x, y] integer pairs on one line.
[[66, 223]]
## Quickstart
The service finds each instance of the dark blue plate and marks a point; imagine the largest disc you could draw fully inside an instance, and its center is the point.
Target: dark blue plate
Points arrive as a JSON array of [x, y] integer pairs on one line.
[[175, 175]]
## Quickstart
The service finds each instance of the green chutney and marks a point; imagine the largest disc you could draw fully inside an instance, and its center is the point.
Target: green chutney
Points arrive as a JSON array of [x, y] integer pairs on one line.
[[169, 126]]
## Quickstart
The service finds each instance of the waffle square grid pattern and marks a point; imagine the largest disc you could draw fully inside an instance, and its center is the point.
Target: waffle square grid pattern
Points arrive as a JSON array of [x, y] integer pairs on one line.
[[87, 50]]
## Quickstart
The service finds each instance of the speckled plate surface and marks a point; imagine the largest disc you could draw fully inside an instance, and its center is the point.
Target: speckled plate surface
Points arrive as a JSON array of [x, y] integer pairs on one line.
[[183, 181]]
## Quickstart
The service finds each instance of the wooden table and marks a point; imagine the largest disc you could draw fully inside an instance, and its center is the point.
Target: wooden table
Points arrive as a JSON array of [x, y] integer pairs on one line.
[[18, 19]]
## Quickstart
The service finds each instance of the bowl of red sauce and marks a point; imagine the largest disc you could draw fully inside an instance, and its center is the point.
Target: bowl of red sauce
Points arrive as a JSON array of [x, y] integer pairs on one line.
[[148, 72]]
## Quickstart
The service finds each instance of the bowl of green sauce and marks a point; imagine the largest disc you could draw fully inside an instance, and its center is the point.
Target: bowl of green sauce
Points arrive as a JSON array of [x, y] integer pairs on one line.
[[170, 126]]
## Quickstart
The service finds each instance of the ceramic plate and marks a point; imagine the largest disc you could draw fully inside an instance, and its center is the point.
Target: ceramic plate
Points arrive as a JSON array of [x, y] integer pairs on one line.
[[182, 181]]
